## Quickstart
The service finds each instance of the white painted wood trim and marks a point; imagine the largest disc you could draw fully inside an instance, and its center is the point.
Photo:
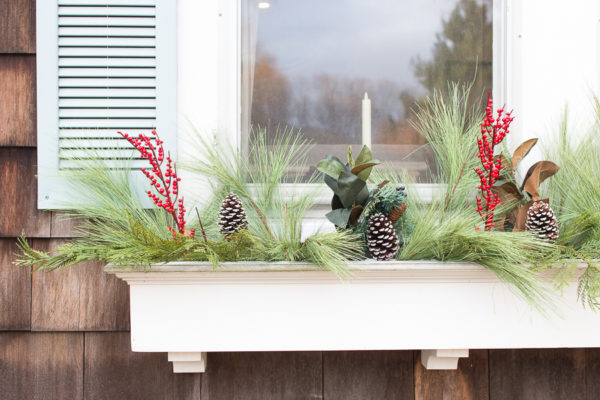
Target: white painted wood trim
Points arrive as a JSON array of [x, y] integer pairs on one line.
[[188, 362], [47, 101], [189, 307], [442, 359]]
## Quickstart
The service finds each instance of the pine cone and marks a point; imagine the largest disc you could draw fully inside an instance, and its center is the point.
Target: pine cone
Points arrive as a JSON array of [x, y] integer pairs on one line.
[[397, 213], [232, 217], [541, 220], [382, 240]]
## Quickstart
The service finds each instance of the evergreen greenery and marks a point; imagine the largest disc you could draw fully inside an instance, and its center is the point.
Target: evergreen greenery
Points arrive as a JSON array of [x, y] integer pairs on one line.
[[119, 230], [574, 194], [447, 228]]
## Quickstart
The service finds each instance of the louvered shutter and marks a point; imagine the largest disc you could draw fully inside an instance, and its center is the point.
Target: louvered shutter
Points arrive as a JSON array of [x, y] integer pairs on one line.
[[102, 67]]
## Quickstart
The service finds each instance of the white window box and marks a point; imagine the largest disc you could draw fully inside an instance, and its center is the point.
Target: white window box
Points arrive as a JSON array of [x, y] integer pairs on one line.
[[442, 308]]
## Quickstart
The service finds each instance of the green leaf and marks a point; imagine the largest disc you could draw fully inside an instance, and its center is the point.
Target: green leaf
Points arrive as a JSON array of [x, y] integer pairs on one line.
[[350, 159], [364, 155], [331, 165], [336, 202], [331, 182], [364, 170], [349, 186], [362, 196], [339, 217]]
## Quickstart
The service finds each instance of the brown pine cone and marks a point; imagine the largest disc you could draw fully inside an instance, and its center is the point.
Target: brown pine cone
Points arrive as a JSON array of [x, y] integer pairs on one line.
[[382, 240], [397, 213], [542, 221], [232, 217]]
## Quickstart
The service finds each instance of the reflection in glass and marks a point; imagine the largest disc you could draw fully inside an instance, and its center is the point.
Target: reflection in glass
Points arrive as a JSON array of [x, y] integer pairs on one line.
[[307, 64]]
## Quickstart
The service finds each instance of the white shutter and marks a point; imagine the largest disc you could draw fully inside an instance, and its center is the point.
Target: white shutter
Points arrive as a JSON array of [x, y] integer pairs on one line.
[[102, 67]]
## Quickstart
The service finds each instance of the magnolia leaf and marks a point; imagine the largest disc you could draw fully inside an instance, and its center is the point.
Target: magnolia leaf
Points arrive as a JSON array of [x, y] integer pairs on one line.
[[355, 214], [364, 155], [538, 173], [349, 186], [331, 182], [521, 217], [512, 217], [331, 165], [508, 169], [339, 217], [363, 196], [507, 191], [361, 167], [364, 170], [522, 151], [336, 202]]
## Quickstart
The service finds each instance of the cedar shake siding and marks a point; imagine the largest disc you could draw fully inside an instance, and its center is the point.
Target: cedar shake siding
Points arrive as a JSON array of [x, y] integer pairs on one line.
[[64, 334]]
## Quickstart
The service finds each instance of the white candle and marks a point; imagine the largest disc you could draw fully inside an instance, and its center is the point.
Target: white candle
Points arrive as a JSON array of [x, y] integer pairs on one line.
[[366, 121]]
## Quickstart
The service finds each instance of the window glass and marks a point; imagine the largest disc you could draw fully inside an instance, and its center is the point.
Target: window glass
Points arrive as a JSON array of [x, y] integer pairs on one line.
[[308, 64]]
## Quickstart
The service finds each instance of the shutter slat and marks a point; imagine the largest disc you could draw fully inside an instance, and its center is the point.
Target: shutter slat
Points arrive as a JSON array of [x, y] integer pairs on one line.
[[86, 134], [103, 31], [90, 113], [114, 123], [110, 22], [69, 163], [104, 93], [86, 41], [125, 52], [94, 143], [108, 3], [83, 103], [132, 82], [107, 62], [104, 11], [67, 72]]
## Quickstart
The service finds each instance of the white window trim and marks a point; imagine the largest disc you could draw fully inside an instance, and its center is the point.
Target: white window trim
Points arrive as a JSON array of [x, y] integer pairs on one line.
[[215, 27]]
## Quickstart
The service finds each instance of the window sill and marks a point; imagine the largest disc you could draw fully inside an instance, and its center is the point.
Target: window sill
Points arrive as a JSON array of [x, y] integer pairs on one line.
[[443, 308]]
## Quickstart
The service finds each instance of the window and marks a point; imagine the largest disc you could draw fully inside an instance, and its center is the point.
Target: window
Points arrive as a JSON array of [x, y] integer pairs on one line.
[[537, 68], [308, 64]]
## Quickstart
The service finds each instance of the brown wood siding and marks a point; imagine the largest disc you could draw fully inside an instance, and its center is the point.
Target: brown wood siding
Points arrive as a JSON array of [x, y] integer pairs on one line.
[[41, 365], [79, 298], [368, 375], [15, 290], [538, 375], [262, 376], [17, 100], [112, 371], [94, 361], [19, 194], [17, 26], [468, 382]]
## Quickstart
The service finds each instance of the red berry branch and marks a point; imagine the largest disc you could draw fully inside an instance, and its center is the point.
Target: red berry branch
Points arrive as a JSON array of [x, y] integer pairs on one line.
[[165, 183], [493, 131]]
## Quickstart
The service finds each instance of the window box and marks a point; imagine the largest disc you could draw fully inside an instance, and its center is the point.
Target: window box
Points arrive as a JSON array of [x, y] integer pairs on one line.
[[441, 308]]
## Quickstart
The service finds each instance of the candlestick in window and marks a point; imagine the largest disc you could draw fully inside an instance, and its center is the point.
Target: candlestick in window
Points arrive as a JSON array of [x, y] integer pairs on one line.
[[366, 121]]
